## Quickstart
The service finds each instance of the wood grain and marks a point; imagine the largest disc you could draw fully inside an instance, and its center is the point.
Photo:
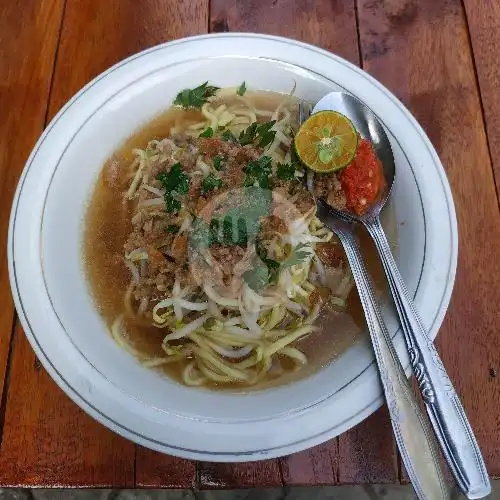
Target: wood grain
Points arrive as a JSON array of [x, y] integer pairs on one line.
[[156, 470], [29, 33], [116, 30], [421, 51], [317, 466], [332, 26], [483, 18], [98, 34], [70, 448], [49, 441], [265, 473], [328, 24], [367, 452]]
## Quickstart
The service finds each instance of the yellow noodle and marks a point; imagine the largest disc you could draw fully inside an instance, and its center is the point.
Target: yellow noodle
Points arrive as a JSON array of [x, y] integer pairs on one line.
[[294, 354], [203, 351], [288, 339], [274, 325], [212, 374], [188, 377], [207, 114]]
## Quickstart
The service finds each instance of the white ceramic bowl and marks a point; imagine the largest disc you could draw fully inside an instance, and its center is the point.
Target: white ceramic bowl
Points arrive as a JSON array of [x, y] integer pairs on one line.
[[68, 335]]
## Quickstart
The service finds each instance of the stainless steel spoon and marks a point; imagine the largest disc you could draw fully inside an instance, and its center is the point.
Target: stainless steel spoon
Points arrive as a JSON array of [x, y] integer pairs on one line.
[[443, 405], [411, 429]]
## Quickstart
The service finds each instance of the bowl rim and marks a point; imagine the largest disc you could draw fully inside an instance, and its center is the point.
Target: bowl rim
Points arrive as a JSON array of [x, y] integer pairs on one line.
[[86, 405]]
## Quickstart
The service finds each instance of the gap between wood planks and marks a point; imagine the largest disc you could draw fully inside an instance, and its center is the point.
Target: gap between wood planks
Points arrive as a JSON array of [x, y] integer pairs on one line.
[[481, 100], [15, 319]]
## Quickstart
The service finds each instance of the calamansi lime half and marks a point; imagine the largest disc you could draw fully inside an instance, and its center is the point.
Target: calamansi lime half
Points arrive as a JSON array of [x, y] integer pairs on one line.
[[326, 141]]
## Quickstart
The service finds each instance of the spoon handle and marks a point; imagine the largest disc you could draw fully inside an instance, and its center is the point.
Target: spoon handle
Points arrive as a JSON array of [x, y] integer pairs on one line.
[[443, 406], [412, 432]]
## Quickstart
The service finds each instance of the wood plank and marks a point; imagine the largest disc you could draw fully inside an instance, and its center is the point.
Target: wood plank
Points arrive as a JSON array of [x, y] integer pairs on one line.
[[141, 25], [265, 473], [116, 29], [29, 33], [277, 18], [367, 452], [112, 30], [483, 17], [156, 470], [421, 51], [317, 466], [48, 441], [332, 26]]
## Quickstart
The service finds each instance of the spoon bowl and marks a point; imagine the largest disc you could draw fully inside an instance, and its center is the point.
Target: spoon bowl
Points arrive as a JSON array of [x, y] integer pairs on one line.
[[368, 125], [443, 405]]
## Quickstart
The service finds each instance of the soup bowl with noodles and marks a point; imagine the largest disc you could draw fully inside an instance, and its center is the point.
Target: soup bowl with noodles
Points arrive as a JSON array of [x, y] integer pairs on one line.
[[203, 251], [177, 283]]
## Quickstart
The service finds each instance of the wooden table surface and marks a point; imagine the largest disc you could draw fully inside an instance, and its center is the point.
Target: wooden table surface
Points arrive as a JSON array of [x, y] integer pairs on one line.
[[438, 56]]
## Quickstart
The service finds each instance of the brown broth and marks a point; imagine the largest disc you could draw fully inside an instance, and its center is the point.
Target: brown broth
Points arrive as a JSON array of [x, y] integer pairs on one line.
[[107, 225]]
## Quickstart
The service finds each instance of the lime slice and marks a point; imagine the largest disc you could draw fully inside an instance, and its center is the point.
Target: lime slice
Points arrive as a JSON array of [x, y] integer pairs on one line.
[[326, 141]]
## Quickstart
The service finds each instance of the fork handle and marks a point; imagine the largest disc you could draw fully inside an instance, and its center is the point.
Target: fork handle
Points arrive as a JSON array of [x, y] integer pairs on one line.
[[412, 432], [443, 405]]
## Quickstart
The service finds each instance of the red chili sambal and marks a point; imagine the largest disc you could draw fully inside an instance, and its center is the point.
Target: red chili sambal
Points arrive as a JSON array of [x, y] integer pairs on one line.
[[363, 179]]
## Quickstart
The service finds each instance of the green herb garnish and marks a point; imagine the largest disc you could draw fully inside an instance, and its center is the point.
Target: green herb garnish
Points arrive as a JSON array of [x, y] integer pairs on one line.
[[242, 89], [286, 171], [258, 172], [172, 228], [298, 254], [228, 136], [171, 203], [248, 135], [266, 270], [208, 132], [260, 135], [175, 182], [217, 161], [195, 98], [265, 133], [209, 183], [273, 266]]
